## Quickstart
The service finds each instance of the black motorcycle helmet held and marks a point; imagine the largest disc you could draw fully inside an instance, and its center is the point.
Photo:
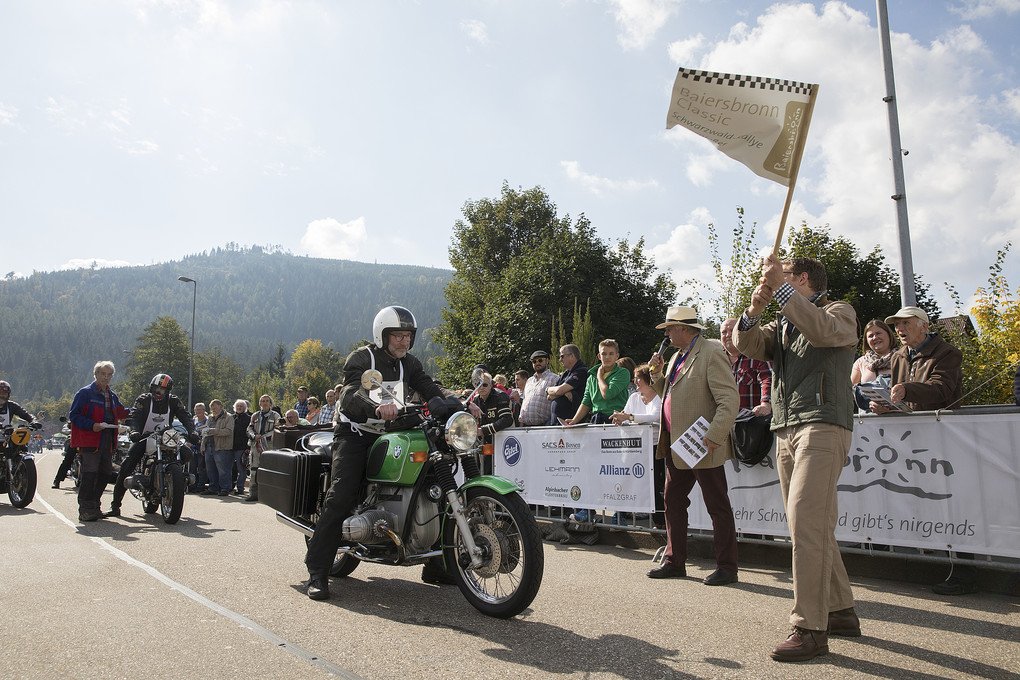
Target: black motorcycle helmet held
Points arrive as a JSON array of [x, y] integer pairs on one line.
[[393, 318], [160, 385]]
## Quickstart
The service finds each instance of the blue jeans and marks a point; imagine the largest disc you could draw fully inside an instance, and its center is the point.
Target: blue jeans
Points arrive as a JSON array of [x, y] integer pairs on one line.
[[242, 469], [218, 470]]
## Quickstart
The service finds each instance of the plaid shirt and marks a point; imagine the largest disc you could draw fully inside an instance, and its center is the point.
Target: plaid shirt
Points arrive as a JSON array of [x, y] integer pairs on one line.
[[325, 415], [536, 407], [754, 381]]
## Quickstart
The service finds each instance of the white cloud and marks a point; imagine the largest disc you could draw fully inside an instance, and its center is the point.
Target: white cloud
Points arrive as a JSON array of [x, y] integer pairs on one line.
[[1011, 98], [682, 51], [961, 174], [475, 30], [88, 263], [640, 20], [331, 238], [7, 114], [603, 185], [983, 9]]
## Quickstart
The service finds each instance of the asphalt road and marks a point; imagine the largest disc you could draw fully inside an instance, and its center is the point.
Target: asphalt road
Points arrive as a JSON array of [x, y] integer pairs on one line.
[[217, 596]]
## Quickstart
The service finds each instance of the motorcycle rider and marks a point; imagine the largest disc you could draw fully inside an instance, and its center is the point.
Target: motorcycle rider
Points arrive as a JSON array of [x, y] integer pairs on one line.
[[94, 414], [360, 422], [11, 409], [151, 409]]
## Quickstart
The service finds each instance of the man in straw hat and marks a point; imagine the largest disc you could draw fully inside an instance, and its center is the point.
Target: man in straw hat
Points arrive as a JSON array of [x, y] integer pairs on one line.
[[697, 383], [811, 346]]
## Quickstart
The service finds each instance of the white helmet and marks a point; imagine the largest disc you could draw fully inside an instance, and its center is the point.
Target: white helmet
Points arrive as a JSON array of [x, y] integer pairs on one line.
[[392, 318]]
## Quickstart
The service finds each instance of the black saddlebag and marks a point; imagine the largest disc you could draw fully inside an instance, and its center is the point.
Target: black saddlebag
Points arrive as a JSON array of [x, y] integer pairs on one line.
[[289, 481]]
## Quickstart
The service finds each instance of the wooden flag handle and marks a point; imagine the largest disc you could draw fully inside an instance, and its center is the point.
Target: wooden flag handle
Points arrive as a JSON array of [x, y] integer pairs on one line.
[[797, 155]]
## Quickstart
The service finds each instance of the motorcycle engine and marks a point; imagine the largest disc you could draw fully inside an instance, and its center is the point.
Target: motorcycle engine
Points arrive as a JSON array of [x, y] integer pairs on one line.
[[369, 527], [390, 506]]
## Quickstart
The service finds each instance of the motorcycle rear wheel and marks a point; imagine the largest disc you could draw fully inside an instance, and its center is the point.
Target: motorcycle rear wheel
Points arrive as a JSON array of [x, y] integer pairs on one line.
[[343, 565], [75, 472], [22, 484], [172, 501], [503, 526]]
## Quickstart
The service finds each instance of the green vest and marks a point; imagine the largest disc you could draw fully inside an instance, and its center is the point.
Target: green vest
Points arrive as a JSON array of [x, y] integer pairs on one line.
[[810, 384]]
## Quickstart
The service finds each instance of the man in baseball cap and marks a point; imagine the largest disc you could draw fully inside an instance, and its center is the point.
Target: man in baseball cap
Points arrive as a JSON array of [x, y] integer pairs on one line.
[[536, 409]]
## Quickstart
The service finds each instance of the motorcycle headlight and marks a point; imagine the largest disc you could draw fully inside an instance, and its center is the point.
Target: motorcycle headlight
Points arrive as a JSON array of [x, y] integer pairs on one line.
[[171, 439], [461, 431]]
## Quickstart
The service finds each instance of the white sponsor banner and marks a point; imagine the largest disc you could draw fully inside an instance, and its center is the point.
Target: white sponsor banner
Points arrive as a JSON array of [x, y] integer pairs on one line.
[[757, 121], [951, 483], [944, 484], [597, 466]]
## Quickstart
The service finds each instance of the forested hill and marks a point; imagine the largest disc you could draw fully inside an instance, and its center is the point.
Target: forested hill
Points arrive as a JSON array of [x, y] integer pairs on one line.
[[54, 326]]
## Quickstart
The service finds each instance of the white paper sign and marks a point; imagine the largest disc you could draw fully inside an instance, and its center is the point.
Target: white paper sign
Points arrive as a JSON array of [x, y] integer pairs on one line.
[[690, 445]]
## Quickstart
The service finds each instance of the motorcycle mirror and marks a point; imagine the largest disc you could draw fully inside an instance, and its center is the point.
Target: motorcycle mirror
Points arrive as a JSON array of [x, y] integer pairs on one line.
[[371, 380], [476, 376]]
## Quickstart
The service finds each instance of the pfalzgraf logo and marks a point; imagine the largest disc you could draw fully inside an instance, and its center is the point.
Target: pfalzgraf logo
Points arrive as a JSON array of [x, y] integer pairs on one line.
[[512, 451]]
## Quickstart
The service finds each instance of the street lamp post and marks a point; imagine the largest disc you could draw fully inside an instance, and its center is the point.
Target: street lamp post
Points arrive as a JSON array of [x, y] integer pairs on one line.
[[191, 359]]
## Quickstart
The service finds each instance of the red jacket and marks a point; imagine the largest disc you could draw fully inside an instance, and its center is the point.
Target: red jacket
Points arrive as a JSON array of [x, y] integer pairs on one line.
[[88, 408]]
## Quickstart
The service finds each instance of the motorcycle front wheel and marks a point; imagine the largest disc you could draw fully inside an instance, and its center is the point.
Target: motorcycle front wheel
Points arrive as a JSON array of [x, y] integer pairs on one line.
[[172, 501], [22, 485], [504, 528]]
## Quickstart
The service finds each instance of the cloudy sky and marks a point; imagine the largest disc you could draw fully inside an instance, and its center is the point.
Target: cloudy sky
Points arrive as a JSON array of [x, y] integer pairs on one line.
[[140, 131]]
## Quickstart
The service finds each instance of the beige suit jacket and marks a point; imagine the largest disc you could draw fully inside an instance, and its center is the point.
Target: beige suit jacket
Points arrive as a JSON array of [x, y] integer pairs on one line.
[[704, 387]]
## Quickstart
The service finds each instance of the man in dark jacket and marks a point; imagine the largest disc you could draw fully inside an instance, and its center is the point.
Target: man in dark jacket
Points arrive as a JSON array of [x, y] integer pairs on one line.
[[927, 375], [926, 370], [152, 409], [495, 407], [360, 424], [93, 416], [241, 421], [569, 389]]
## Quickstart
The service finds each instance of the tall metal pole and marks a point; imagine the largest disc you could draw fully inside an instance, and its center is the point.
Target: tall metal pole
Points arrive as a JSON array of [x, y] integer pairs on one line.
[[191, 359], [907, 293]]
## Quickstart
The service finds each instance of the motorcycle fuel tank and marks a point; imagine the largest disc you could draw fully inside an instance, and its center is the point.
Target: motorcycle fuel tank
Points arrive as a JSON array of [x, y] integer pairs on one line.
[[389, 459]]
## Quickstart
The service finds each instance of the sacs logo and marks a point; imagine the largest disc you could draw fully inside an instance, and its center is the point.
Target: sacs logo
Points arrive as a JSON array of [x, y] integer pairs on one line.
[[562, 445], [512, 451]]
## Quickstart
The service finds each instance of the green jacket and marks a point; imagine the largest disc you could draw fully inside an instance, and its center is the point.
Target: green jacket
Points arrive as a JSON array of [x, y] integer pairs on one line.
[[811, 362], [617, 392]]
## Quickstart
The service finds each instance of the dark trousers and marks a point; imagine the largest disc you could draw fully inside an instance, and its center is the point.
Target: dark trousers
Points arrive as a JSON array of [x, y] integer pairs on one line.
[[126, 468], [677, 499], [65, 465], [96, 468], [350, 455]]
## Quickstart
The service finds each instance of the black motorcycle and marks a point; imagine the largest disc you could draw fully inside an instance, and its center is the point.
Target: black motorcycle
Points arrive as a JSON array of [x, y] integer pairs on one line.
[[412, 508], [160, 481], [17, 472]]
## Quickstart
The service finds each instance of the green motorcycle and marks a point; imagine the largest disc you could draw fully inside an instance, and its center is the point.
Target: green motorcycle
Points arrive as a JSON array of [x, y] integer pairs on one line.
[[413, 508]]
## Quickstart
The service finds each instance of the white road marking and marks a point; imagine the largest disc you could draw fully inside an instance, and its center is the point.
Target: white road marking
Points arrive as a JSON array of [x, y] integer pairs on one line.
[[239, 619]]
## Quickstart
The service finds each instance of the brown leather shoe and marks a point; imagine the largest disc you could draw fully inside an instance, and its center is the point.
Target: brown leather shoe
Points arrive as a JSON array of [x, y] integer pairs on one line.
[[803, 644], [844, 623]]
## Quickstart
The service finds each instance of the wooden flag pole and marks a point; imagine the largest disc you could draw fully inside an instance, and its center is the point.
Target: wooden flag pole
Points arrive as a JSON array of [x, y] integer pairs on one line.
[[795, 169]]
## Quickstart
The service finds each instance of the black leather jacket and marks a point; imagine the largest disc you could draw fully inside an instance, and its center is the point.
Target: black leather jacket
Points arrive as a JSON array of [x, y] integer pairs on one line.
[[356, 408], [170, 404]]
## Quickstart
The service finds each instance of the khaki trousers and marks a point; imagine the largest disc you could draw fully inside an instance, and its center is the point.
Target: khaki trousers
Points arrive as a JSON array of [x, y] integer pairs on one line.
[[810, 459]]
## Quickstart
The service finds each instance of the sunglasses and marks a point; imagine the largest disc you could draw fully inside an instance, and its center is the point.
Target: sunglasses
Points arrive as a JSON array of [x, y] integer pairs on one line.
[[486, 385]]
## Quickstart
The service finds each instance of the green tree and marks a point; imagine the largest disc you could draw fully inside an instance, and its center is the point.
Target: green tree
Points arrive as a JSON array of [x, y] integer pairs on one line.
[[582, 334], [313, 365], [163, 347], [517, 265], [989, 358], [222, 377], [728, 295]]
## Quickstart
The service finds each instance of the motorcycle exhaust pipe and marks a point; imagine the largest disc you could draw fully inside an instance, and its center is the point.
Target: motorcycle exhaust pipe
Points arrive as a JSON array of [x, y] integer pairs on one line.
[[294, 524]]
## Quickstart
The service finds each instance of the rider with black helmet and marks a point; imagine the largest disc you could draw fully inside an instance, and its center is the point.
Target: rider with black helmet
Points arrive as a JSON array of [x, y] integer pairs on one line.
[[359, 424], [152, 409], [11, 409]]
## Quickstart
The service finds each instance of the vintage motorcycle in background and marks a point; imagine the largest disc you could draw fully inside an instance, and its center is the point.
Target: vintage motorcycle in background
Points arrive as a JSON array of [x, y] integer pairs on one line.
[[412, 507], [17, 472], [159, 481]]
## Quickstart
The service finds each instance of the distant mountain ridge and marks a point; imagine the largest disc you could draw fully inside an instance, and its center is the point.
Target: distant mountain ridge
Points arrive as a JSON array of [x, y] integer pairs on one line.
[[54, 326]]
